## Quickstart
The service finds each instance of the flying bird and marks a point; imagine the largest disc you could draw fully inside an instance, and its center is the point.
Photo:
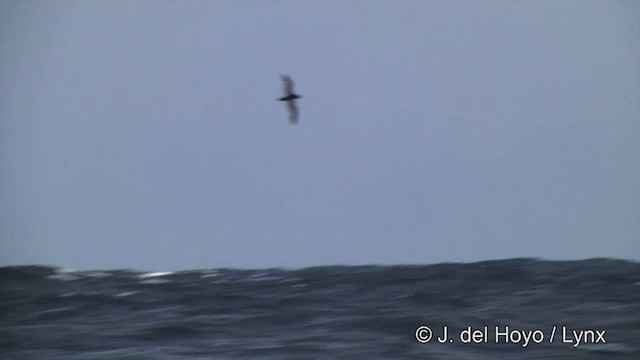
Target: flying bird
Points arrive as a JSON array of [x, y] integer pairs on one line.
[[290, 97]]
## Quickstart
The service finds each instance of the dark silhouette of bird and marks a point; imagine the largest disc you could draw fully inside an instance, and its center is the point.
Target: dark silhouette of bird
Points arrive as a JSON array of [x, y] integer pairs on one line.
[[290, 97]]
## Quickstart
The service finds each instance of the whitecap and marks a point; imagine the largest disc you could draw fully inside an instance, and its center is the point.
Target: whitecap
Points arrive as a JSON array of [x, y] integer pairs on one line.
[[63, 277], [154, 281], [155, 274], [209, 273], [97, 274]]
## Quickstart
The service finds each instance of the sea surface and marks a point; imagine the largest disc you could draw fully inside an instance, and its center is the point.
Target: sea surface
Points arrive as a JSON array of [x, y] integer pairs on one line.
[[532, 309]]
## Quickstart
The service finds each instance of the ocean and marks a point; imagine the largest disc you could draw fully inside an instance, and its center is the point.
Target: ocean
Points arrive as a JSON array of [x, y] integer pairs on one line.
[[505, 309]]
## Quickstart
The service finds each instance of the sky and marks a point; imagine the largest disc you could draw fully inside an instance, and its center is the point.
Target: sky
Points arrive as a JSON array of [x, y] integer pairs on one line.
[[146, 135]]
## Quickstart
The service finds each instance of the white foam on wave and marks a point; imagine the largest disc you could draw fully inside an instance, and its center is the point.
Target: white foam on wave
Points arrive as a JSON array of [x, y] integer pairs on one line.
[[263, 276], [97, 274], [63, 277], [154, 281], [64, 274], [155, 274], [209, 273]]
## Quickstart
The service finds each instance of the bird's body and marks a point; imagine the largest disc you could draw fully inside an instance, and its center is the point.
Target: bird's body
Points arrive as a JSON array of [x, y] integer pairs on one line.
[[290, 97]]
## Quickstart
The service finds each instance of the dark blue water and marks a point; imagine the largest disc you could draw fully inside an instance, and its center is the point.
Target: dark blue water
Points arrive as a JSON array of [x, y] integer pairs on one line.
[[335, 312]]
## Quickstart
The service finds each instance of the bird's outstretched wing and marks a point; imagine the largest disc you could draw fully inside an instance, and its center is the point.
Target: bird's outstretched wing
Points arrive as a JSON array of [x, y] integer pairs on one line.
[[288, 85], [293, 112]]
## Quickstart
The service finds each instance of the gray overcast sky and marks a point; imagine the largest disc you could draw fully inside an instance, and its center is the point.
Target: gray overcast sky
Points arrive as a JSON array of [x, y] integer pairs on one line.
[[145, 134]]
